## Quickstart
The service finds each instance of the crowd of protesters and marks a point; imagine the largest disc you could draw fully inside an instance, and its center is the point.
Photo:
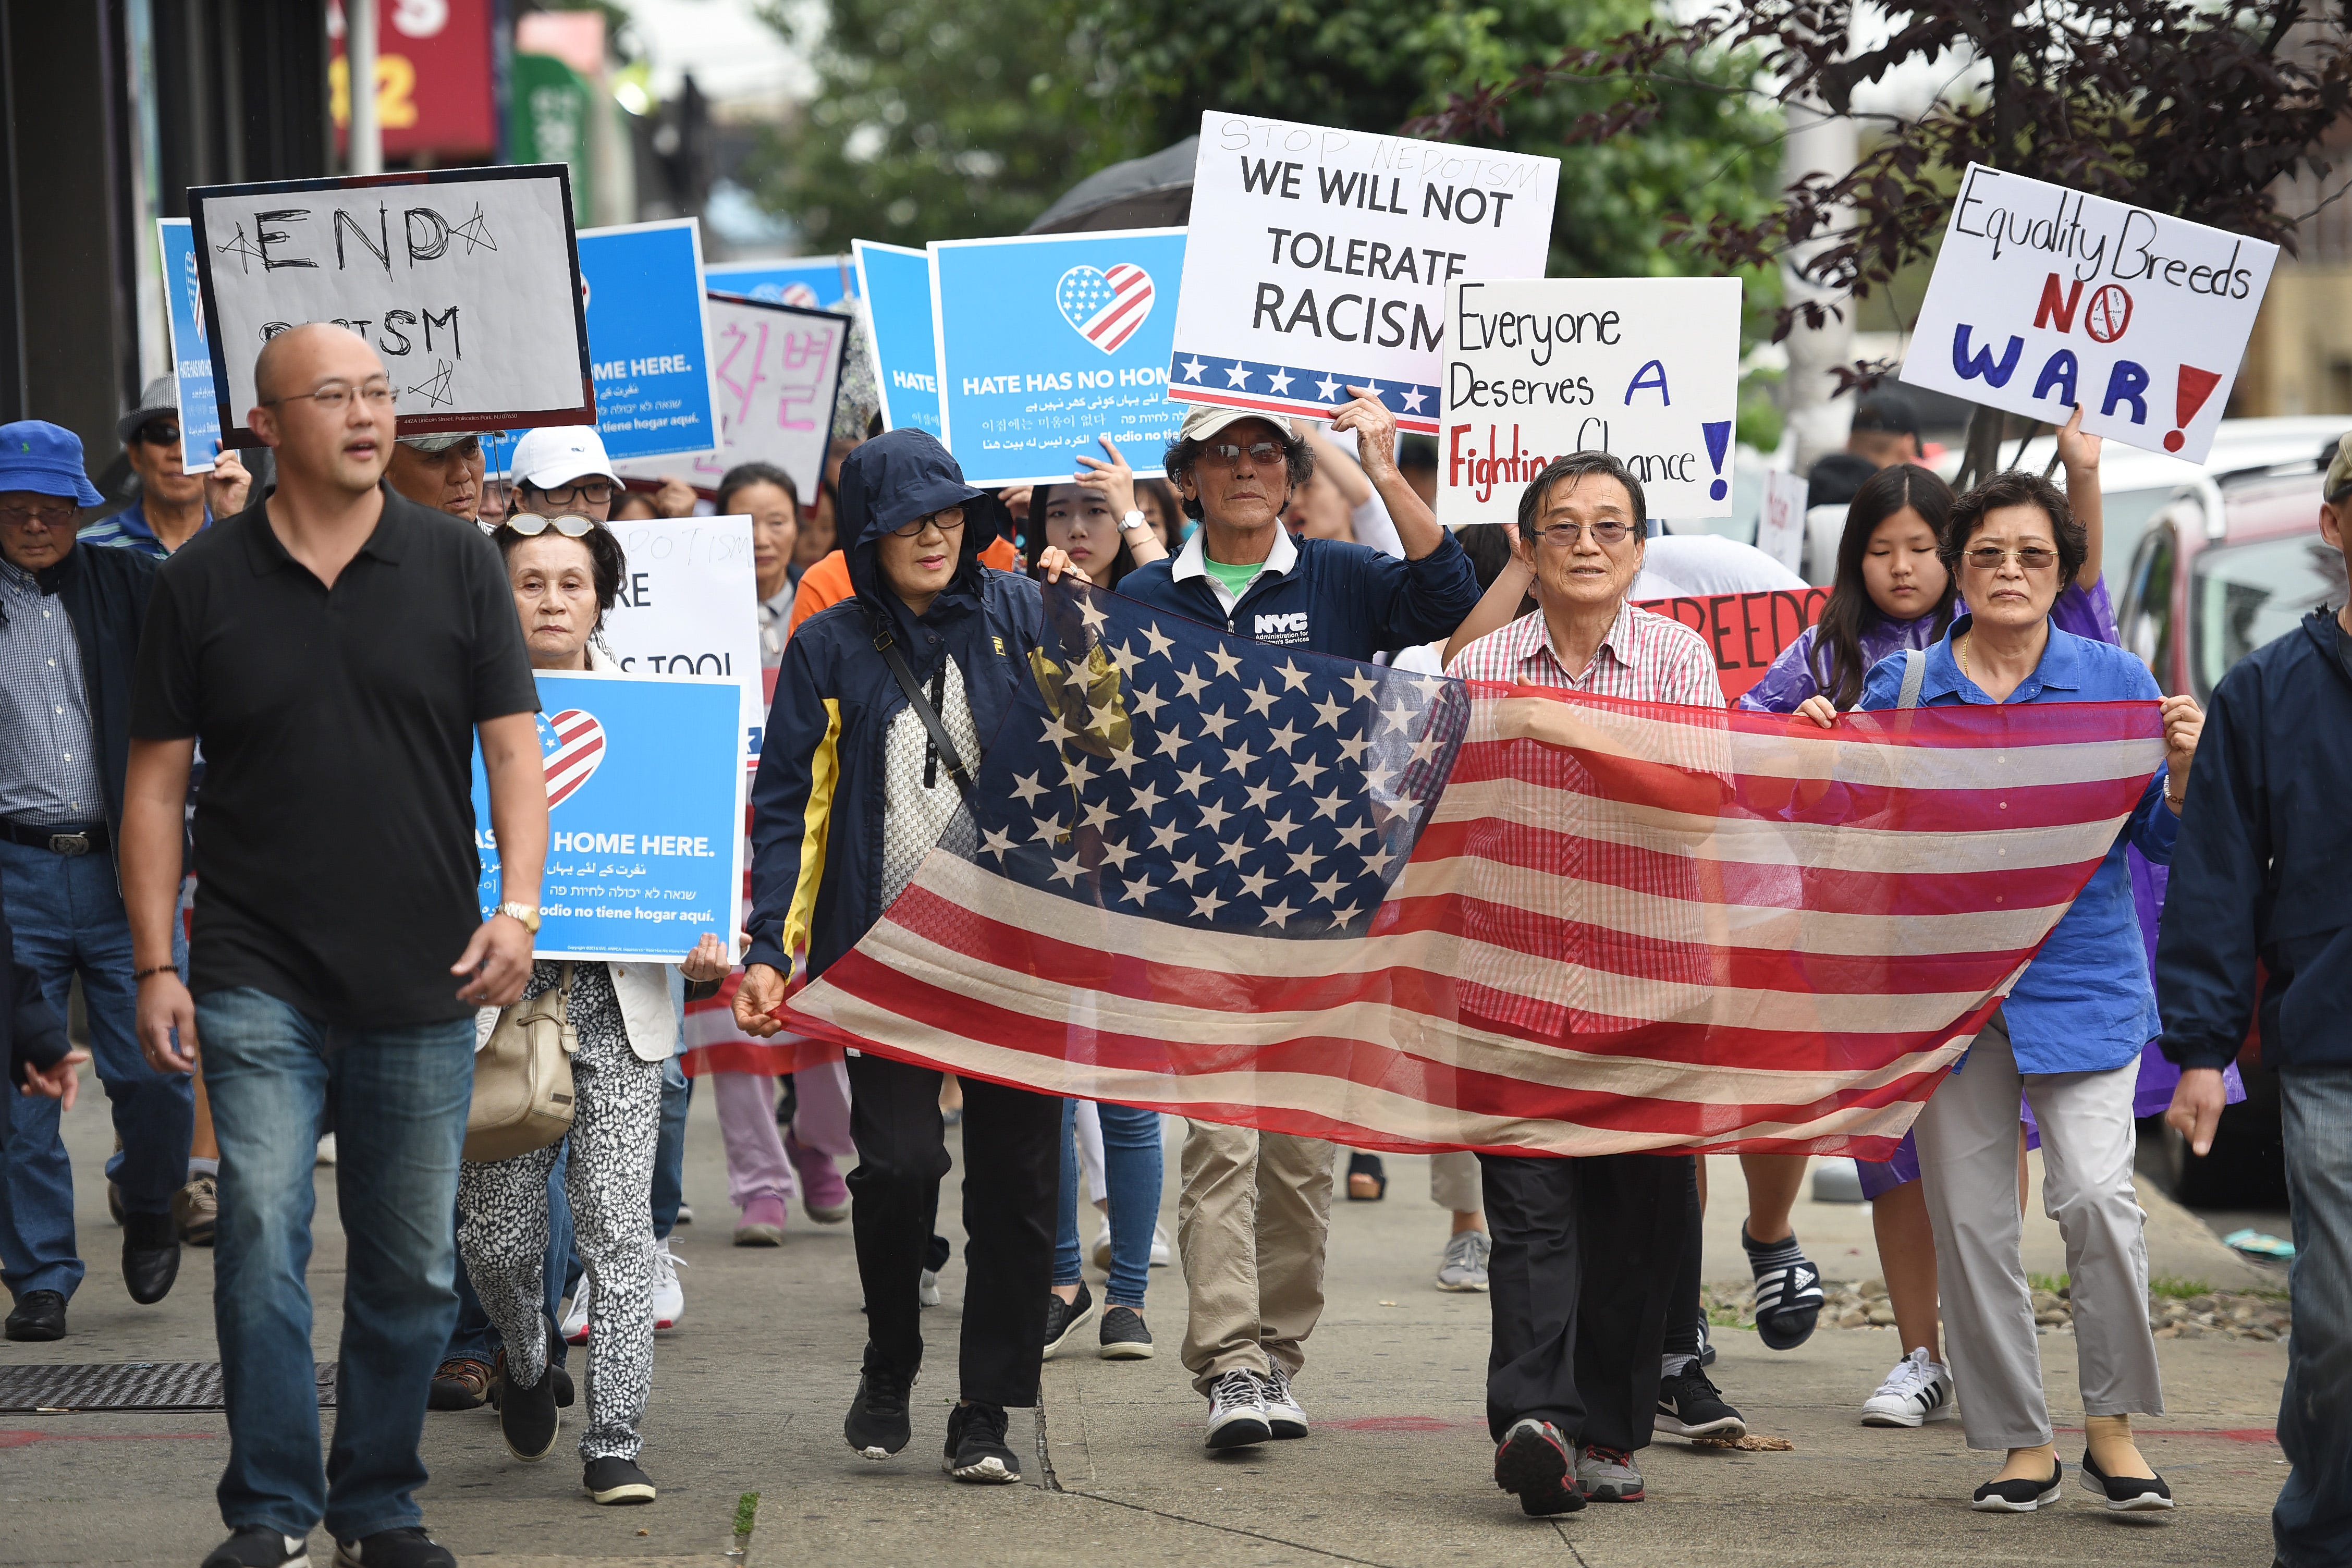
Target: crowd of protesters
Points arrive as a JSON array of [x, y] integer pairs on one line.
[[338, 645]]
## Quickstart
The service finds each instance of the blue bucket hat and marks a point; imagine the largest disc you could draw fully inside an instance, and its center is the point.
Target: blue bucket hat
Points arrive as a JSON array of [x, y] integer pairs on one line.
[[45, 459]]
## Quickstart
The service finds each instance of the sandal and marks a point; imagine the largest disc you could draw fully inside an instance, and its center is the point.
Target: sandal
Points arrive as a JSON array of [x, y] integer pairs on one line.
[[460, 1382], [1368, 1181]]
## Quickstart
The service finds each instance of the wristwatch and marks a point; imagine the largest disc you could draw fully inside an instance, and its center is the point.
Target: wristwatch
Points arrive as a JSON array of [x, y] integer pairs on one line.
[[1133, 520], [527, 914]]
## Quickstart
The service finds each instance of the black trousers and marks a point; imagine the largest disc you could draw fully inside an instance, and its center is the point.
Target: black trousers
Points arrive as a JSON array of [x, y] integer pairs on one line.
[[1585, 1256], [1011, 1177]]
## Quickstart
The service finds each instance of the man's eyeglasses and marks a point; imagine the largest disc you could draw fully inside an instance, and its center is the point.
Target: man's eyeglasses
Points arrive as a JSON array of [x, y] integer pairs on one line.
[[56, 517], [159, 433], [531, 524], [336, 395], [1562, 535], [1227, 455], [582, 492], [2033, 558], [948, 522]]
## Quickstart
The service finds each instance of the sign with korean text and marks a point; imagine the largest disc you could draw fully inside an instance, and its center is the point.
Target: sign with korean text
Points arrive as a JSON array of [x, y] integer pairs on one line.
[[818, 282], [465, 282], [689, 605], [656, 395], [896, 283], [1331, 253], [2043, 298], [1746, 632], [779, 371], [644, 816], [1646, 369], [1048, 341], [192, 364]]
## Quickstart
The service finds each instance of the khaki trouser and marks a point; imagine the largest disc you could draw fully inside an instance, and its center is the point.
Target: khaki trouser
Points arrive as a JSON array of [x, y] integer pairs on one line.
[[1453, 1183], [1250, 1225]]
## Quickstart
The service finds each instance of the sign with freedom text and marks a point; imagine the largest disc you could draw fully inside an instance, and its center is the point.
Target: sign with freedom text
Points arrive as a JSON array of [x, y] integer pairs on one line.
[[645, 815], [656, 395], [1646, 369], [1049, 340], [689, 605], [779, 370], [895, 284], [1331, 253], [2043, 298], [465, 281], [1746, 632], [192, 362]]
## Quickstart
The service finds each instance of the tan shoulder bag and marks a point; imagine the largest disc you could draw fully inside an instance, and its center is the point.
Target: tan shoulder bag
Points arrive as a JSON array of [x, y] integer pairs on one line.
[[522, 1077]]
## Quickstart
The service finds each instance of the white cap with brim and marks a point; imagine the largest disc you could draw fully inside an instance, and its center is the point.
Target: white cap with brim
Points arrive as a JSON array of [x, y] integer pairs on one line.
[[435, 445], [1207, 418], [556, 455]]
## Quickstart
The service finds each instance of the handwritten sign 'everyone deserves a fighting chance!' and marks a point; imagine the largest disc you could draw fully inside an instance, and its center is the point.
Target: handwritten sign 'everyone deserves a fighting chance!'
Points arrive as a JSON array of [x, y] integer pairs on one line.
[[465, 281], [2044, 297], [1324, 259], [1644, 368]]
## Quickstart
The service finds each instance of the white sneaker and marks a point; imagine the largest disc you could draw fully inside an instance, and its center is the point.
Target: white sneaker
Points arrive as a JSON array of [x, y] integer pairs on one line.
[[1283, 1414], [1164, 1252], [669, 1302], [1916, 1391], [1237, 1411], [574, 1327], [927, 1290], [326, 1155]]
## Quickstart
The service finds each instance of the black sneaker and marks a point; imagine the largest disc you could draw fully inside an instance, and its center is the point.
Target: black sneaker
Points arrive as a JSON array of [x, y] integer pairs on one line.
[[39, 1316], [1690, 1405], [878, 1425], [2021, 1497], [260, 1546], [1123, 1335], [976, 1449], [408, 1548], [611, 1480], [2124, 1494], [1532, 1463], [1064, 1319], [528, 1419]]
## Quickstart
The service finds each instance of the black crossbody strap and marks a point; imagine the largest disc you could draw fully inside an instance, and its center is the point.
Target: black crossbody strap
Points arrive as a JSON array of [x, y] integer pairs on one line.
[[887, 647]]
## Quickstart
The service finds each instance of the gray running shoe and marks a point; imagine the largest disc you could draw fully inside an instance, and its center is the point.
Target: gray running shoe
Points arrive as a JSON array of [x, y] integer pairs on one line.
[[1464, 1267], [1607, 1475]]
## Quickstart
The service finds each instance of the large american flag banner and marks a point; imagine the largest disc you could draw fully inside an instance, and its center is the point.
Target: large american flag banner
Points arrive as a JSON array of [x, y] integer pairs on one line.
[[1250, 884]]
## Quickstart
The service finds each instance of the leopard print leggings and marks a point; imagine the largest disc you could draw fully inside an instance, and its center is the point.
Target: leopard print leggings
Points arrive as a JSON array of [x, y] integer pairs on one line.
[[502, 1222]]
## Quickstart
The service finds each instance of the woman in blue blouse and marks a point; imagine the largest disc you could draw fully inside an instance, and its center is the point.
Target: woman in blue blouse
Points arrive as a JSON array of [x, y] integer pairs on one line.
[[2070, 1034]]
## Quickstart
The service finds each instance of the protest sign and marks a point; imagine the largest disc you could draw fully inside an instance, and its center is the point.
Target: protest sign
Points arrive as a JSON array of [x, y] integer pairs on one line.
[[1048, 341], [895, 284], [645, 808], [2044, 297], [1746, 632], [813, 282], [778, 371], [464, 281], [1332, 250], [642, 284], [1780, 523], [1644, 368], [689, 605], [192, 362]]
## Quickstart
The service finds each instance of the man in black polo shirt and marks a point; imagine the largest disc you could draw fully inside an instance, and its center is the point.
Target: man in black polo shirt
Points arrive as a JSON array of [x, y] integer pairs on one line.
[[338, 648]]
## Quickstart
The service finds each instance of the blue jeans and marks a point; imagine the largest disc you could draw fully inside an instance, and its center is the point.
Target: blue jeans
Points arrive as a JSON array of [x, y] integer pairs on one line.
[[1131, 1171], [69, 919], [398, 1098], [475, 1338], [2312, 1525], [669, 1151]]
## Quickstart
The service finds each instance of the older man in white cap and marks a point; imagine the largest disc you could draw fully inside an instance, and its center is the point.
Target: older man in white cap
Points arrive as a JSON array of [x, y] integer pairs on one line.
[[443, 472]]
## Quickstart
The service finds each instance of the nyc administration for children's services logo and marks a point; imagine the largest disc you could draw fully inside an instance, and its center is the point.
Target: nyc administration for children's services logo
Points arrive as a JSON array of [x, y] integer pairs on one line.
[[1105, 308], [571, 747]]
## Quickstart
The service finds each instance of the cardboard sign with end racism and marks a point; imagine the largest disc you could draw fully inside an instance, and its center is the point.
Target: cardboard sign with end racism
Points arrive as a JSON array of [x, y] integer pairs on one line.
[[1646, 369], [1325, 259], [2044, 297], [1746, 632], [465, 281]]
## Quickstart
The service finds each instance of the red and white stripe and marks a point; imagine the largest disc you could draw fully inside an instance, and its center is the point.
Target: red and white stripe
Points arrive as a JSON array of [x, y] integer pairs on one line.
[[579, 747], [1626, 926], [1128, 305]]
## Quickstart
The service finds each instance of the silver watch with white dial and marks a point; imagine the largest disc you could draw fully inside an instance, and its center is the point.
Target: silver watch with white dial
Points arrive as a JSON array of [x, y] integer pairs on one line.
[[1133, 520]]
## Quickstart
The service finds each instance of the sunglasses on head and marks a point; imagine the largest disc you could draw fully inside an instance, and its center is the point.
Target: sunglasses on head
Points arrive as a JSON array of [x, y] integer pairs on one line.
[[531, 524]]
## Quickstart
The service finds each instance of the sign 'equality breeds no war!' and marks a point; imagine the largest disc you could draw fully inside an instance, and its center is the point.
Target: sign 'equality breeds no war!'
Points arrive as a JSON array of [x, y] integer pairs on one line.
[[2044, 297], [1330, 257]]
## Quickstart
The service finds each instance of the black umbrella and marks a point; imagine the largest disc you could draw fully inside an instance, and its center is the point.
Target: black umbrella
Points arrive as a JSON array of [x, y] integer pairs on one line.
[[1154, 192]]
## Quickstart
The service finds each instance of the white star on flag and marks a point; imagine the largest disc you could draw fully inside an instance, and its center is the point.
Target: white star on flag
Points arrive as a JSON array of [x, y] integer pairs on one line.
[[1237, 374], [1192, 369], [1329, 388]]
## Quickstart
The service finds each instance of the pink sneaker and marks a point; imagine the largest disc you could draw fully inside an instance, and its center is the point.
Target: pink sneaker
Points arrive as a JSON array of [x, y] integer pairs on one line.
[[762, 1224], [823, 1194]]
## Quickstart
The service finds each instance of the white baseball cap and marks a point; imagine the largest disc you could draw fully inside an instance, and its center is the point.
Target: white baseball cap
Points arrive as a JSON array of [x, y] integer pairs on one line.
[[556, 455]]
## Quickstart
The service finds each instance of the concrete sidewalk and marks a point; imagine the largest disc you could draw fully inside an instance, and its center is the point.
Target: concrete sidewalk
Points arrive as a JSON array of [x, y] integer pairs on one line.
[[749, 1390]]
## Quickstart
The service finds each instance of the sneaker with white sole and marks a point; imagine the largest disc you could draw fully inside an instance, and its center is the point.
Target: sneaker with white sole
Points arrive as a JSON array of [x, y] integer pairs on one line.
[[669, 1300], [404, 1546], [1065, 1320], [1690, 1405], [574, 1327], [926, 1289], [976, 1450], [1283, 1414], [613, 1481], [1237, 1411], [1464, 1267], [1164, 1252], [258, 1546], [1918, 1391]]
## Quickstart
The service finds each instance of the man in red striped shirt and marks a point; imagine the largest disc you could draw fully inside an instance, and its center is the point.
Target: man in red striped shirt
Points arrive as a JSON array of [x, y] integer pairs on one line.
[[1572, 1380]]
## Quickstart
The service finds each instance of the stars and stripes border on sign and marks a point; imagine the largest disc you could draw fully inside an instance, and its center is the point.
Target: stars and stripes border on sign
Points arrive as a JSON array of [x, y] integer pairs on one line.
[[1293, 389]]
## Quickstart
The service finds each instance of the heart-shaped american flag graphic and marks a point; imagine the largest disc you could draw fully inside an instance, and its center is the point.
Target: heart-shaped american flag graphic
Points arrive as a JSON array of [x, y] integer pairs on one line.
[[1104, 307], [571, 745]]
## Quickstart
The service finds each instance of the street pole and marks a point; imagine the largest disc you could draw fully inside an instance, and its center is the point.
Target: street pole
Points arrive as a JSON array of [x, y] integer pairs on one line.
[[366, 155]]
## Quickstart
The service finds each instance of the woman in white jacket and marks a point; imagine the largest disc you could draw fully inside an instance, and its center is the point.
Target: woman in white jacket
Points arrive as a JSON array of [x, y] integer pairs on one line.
[[566, 573]]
